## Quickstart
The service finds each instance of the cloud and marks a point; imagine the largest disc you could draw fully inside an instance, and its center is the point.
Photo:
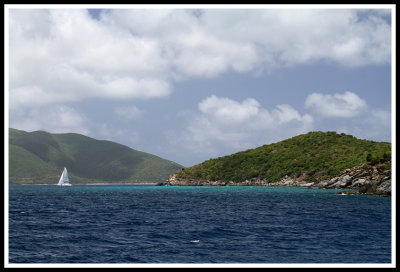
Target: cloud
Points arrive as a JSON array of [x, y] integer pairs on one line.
[[285, 113], [227, 110], [225, 124], [344, 105], [140, 53], [212, 41], [54, 118], [61, 56], [65, 55], [222, 126], [350, 114], [375, 125]]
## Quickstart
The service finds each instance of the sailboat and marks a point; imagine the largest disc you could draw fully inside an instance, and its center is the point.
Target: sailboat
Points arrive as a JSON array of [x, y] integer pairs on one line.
[[64, 181]]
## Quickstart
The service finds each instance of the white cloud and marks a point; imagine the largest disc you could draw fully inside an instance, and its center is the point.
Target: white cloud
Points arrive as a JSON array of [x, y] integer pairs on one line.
[[68, 56], [54, 118], [375, 124], [223, 126], [295, 36], [350, 114], [286, 113], [226, 124], [65, 55], [139, 53], [227, 110], [343, 105], [216, 40], [380, 116]]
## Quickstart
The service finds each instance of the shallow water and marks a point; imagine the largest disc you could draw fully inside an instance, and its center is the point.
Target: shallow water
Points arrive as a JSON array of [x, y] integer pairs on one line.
[[154, 224]]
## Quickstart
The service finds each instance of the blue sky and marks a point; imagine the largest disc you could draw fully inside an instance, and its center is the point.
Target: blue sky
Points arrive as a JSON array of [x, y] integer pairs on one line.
[[193, 84]]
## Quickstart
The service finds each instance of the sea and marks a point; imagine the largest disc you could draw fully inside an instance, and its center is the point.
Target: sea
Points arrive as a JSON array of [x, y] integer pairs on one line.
[[107, 224]]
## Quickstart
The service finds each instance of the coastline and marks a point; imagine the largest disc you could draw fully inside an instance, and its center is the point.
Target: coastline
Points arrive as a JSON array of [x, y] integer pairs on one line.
[[364, 179], [371, 189]]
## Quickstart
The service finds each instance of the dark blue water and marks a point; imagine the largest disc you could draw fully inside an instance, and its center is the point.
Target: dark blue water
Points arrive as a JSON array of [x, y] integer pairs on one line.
[[151, 224]]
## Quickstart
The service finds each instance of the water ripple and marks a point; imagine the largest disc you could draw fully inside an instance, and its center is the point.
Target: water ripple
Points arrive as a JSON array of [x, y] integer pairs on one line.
[[150, 224]]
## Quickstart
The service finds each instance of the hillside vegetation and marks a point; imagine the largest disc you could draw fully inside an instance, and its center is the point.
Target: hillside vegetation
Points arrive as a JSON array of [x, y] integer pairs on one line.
[[39, 157], [313, 156]]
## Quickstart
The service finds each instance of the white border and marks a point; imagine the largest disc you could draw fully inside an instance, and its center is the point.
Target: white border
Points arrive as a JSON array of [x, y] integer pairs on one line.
[[392, 7], [201, 6], [5, 137], [394, 196]]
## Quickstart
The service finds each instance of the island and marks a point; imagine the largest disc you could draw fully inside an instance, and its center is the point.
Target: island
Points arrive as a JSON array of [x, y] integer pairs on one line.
[[38, 157], [316, 159]]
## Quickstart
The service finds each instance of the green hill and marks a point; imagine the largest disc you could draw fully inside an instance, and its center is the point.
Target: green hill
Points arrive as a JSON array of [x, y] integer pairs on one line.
[[39, 157], [313, 156]]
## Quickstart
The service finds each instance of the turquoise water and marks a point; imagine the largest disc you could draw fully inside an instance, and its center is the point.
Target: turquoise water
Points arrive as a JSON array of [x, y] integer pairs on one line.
[[155, 224]]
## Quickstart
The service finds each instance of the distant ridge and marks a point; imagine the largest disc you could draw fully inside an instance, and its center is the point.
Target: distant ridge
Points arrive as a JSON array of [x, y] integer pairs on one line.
[[39, 157], [314, 156]]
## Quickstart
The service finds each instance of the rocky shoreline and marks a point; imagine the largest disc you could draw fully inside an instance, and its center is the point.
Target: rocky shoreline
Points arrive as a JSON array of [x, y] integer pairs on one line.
[[366, 179]]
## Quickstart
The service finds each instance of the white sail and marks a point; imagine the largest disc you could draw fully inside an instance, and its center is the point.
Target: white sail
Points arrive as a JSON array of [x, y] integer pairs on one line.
[[64, 181]]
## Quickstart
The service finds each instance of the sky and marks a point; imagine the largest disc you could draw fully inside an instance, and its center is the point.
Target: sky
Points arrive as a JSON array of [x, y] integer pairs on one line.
[[190, 83]]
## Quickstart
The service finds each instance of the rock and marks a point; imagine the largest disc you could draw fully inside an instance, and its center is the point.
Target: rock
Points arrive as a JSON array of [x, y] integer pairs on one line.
[[359, 182], [385, 188], [344, 181], [377, 188], [332, 182], [339, 182], [321, 184], [366, 179], [368, 188]]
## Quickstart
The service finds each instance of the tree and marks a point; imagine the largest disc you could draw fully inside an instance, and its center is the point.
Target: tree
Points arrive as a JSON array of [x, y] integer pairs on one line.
[[369, 157]]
